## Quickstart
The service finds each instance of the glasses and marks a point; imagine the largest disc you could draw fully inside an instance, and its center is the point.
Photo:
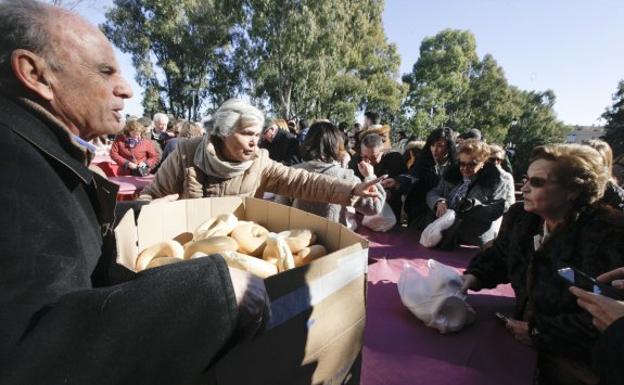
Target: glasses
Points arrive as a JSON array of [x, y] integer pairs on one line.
[[536, 181], [471, 164]]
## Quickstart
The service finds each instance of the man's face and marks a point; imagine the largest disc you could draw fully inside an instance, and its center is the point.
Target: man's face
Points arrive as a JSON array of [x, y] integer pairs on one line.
[[88, 91], [372, 155]]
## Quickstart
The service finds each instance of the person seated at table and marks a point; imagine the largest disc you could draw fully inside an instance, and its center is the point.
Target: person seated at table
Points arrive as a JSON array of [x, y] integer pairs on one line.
[[614, 194], [228, 162], [133, 154], [322, 151], [384, 163], [184, 130], [282, 146], [560, 222], [608, 318], [438, 154], [478, 192]]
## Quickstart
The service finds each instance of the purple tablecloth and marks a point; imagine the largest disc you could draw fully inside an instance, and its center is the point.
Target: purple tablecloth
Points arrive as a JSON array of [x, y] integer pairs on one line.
[[399, 349], [131, 184]]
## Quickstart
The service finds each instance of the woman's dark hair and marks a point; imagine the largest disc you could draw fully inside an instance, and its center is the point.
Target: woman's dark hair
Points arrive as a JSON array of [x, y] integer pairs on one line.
[[426, 159], [324, 142]]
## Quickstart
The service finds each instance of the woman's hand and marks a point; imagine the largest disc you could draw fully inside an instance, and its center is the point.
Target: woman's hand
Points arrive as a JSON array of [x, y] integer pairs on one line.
[[366, 169], [615, 277], [470, 282], [604, 309], [132, 166], [441, 208], [520, 331], [368, 189], [390, 183]]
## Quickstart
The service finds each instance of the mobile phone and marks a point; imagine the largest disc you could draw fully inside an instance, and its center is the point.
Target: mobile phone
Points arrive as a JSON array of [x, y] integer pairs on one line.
[[586, 282], [501, 317]]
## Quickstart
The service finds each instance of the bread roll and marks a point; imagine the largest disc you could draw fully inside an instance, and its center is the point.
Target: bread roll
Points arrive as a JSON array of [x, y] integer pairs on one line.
[[162, 249], [210, 246], [251, 238], [309, 254], [297, 239]]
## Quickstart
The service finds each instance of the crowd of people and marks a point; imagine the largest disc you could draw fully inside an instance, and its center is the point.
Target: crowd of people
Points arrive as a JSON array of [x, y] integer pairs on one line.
[[64, 314]]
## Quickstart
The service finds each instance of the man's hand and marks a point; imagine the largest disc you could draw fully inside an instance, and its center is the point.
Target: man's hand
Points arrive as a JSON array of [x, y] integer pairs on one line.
[[368, 189], [520, 331], [366, 169], [615, 277], [470, 283], [441, 208], [254, 310], [390, 183], [604, 309]]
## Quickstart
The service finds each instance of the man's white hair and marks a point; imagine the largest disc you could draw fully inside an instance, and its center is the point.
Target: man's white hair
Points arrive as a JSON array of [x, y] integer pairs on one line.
[[161, 117], [232, 115]]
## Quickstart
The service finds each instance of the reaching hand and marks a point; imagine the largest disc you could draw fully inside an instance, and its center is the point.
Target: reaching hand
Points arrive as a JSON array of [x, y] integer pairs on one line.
[[368, 189], [390, 183], [604, 309], [470, 283], [615, 277], [254, 310]]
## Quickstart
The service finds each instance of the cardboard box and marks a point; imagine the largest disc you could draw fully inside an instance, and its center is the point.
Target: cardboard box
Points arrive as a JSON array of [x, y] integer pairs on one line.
[[317, 328]]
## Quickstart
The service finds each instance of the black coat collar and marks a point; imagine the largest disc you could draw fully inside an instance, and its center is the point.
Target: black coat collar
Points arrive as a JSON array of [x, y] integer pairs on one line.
[[45, 134]]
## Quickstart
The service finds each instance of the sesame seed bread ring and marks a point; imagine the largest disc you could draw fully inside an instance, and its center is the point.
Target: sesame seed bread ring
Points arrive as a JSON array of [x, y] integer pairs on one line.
[[297, 239], [309, 254], [221, 225], [210, 246], [255, 266], [251, 238], [162, 249]]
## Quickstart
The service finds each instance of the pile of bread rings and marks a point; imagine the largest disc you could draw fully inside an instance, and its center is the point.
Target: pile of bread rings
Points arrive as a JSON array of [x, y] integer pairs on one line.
[[244, 245]]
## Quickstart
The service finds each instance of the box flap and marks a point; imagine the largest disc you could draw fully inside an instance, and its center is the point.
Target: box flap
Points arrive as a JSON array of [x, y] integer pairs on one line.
[[127, 240]]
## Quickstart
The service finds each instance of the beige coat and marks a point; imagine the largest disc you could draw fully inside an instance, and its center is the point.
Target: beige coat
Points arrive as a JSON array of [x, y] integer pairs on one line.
[[178, 175]]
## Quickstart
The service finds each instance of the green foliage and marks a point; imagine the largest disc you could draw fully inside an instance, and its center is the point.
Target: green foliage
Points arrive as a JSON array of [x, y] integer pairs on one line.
[[322, 58], [614, 115], [182, 50]]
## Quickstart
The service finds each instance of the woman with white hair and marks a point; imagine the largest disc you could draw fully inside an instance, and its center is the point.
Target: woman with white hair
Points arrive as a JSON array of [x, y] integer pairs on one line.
[[228, 162]]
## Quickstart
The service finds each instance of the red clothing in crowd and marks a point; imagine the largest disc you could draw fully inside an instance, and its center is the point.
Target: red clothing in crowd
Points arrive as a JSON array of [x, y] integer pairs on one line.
[[144, 151]]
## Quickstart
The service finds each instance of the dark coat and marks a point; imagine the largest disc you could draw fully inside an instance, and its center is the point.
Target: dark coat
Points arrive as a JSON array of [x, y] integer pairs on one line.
[[162, 326], [609, 354], [284, 148], [593, 243]]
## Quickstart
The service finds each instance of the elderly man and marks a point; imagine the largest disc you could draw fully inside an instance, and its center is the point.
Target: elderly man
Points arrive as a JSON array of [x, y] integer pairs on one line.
[[59, 321], [282, 146]]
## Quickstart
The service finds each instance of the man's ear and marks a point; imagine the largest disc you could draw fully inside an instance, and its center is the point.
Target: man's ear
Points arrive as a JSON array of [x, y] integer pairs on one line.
[[32, 72]]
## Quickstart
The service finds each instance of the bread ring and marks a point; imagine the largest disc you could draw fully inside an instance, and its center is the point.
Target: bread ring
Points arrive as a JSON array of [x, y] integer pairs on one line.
[[251, 238], [298, 239], [221, 225], [278, 253], [184, 238], [156, 262], [210, 246], [162, 249], [309, 254], [255, 266]]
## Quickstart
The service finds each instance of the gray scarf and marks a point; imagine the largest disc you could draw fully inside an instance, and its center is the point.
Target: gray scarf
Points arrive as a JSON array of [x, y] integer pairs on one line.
[[208, 161]]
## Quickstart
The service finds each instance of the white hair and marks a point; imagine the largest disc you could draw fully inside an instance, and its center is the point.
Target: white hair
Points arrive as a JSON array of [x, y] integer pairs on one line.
[[232, 115], [159, 116]]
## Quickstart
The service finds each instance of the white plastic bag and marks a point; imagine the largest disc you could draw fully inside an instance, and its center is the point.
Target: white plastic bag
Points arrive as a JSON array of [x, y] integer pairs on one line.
[[432, 234], [383, 221], [351, 218], [436, 299]]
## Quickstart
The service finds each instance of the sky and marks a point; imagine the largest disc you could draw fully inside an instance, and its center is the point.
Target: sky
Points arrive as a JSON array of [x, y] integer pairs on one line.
[[574, 47]]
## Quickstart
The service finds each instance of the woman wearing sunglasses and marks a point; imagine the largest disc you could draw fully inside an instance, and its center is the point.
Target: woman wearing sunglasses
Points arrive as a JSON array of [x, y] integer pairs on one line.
[[560, 223], [478, 193]]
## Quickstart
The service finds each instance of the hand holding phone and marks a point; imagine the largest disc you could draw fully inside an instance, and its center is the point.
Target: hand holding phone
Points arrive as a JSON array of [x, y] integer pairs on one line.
[[586, 282]]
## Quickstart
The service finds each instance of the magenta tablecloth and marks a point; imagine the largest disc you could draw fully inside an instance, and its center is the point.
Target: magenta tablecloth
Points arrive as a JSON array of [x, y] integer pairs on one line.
[[131, 184], [399, 349]]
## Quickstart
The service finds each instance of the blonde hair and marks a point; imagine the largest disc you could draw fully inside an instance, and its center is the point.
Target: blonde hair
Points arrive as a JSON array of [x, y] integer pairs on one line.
[[578, 168], [190, 130], [604, 150], [496, 152], [475, 148], [133, 126]]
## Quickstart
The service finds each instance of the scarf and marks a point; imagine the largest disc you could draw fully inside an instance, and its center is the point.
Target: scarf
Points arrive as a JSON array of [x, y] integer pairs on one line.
[[208, 161], [132, 142]]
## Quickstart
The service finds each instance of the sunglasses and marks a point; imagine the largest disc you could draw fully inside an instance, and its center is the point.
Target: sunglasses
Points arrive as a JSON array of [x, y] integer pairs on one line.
[[536, 181], [471, 164]]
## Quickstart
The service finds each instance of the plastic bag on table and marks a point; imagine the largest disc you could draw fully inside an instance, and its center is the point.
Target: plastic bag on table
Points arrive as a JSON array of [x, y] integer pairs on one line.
[[432, 234], [382, 222], [436, 299]]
